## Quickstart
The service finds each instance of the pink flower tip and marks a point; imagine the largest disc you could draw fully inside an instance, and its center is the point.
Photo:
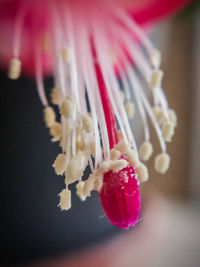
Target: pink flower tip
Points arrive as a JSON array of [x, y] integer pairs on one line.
[[120, 197]]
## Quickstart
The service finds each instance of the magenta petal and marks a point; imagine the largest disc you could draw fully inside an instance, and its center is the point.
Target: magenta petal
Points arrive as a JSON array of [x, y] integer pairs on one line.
[[36, 27], [120, 197], [158, 9]]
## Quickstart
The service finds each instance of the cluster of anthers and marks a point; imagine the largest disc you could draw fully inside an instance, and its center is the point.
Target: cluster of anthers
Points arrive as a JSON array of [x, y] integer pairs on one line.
[[80, 138], [95, 125]]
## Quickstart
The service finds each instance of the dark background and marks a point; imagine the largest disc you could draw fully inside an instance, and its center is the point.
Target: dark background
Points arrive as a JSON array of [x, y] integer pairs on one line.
[[32, 226]]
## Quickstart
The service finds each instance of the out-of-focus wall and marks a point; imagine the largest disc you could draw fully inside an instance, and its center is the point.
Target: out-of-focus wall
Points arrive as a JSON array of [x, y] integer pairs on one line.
[[178, 41], [195, 116]]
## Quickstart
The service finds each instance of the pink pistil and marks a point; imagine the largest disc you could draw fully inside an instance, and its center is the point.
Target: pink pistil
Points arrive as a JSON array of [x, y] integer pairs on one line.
[[119, 196], [107, 107]]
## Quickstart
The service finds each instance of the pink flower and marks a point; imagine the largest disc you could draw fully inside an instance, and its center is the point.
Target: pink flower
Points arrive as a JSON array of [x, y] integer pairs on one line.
[[31, 22], [87, 45]]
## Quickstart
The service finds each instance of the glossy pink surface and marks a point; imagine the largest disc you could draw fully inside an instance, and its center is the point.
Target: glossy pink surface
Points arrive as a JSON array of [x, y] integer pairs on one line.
[[120, 197]]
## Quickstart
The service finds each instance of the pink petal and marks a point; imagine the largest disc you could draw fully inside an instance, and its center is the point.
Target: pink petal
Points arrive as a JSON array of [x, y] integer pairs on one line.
[[153, 11]]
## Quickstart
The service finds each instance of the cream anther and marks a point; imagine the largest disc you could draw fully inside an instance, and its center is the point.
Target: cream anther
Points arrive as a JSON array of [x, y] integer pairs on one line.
[[14, 70], [60, 164], [88, 186], [131, 154], [56, 131], [75, 168], [162, 162], [80, 144], [79, 190], [156, 78], [73, 173], [103, 167], [49, 116], [167, 131], [65, 199], [142, 172], [118, 165], [146, 150], [155, 58], [130, 109], [172, 117], [67, 107], [55, 96], [65, 54], [159, 114], [115, 154], [133, 157], [98, 182], [87, 123], [122, 147]]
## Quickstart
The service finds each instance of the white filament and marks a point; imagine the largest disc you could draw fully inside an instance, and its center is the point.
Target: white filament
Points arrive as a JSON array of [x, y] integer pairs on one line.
[[136, 87], [83, 62], [145, 69], [142, 64], [101, 60], [24, 5], [39, 78], [154, 121], [125, 84], [59, 67], [88, 57], [111, 84], [133, 27]]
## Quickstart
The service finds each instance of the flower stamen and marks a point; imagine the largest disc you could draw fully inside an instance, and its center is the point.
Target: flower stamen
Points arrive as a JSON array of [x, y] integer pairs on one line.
[[96, 111]]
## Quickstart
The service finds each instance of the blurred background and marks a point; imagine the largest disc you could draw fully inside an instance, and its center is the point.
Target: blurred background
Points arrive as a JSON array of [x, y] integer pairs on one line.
[[179, 38], [179, 42], [34, 230]]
